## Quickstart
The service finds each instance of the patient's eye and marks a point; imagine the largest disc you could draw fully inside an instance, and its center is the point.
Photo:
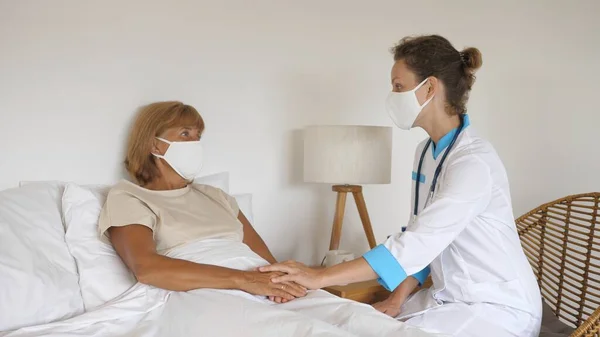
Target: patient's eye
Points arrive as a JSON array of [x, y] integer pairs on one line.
[[185, 133]]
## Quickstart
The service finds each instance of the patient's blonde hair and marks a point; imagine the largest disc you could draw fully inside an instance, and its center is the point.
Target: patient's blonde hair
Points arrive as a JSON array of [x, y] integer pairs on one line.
[[151, 121]]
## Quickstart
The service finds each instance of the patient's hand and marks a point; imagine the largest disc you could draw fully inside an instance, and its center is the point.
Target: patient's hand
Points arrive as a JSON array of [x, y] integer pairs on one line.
[[296, 272], [259, 283], [278, 299]]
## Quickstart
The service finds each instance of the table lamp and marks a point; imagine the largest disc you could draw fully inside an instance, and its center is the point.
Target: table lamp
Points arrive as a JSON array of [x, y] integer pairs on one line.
[[348, 157]]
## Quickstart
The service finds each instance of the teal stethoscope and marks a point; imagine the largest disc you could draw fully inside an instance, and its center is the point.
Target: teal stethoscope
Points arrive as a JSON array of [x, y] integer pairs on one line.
[[438, 169]]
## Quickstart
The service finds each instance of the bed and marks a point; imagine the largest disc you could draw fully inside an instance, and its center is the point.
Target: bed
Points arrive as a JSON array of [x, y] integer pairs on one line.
[[57, 278]]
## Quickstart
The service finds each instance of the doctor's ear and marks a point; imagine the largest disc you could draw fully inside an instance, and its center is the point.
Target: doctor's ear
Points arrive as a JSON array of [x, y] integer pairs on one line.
[[432, 88]]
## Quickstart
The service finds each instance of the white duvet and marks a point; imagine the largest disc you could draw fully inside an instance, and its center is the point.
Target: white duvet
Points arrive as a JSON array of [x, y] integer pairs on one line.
[[148, 311]]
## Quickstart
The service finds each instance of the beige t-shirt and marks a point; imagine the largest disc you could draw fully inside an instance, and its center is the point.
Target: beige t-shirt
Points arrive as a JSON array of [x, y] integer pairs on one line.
[[175, 216]]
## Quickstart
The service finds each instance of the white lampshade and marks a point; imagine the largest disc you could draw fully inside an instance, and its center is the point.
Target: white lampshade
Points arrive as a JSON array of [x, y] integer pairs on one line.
[[352, 154]]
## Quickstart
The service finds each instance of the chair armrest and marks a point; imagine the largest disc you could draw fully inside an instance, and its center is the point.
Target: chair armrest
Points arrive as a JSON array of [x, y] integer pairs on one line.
[[589, 328]]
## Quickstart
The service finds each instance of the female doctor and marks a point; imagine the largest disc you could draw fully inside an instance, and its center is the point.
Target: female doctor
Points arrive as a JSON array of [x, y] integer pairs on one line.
[[462, 228]]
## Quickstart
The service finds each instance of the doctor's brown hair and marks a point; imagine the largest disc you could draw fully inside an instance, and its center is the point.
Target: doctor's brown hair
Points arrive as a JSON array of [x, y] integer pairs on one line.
[[433, 55], [151, 121]]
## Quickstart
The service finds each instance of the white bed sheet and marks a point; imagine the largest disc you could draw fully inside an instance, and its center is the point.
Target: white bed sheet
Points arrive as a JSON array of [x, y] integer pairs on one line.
[[148, 311]]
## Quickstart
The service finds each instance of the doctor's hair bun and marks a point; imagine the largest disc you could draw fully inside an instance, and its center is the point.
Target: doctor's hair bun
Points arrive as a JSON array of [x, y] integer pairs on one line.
[[472, 59]]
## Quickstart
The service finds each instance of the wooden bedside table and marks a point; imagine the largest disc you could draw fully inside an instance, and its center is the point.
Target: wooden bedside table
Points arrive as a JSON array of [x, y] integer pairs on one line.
[[367, 292]]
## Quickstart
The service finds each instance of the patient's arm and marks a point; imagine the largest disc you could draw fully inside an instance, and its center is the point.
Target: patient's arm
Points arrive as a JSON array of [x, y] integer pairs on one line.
[[136, 247], [254, 241]]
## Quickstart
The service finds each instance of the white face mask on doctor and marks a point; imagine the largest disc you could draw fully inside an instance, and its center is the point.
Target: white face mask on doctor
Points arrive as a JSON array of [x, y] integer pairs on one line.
[[403, 107], [185, 158]]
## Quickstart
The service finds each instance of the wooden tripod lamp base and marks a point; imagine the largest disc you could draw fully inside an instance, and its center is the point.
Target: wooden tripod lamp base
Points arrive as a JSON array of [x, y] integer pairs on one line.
[[340, 206]]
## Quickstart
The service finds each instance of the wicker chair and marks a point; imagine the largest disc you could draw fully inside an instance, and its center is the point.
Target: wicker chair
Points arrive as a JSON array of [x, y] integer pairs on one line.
[[562, 242]]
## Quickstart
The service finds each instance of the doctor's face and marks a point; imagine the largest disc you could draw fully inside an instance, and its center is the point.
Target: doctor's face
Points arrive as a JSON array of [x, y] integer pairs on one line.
[[403, 79]]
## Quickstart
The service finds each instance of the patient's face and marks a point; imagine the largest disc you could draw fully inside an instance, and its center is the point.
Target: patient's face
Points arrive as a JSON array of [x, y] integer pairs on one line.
[[182, 134], [177, 134]]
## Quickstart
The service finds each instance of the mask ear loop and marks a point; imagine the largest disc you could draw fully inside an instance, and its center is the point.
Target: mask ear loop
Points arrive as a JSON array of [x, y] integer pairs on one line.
[[417, 88], [164, 141]]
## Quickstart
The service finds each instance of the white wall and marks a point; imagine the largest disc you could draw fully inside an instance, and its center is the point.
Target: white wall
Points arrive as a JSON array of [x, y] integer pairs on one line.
[[72, 72]]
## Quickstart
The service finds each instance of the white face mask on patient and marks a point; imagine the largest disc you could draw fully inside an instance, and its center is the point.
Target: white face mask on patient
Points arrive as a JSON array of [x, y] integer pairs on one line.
[[403, 107], [185, 158]]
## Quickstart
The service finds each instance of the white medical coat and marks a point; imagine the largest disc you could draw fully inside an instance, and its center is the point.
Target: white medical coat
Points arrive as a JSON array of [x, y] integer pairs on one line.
[[483, 284]]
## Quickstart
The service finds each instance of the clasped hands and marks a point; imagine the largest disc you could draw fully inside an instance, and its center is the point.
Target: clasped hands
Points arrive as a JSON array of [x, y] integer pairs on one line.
[[283, 282], [293, 279]]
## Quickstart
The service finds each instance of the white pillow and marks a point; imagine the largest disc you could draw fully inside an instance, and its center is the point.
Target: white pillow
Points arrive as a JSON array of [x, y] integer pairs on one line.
[[245, 203], [102, 274], [38, 277]]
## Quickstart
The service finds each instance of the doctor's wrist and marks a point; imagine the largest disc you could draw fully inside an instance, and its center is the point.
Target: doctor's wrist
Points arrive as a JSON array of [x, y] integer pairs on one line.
[[398, 297], [322, 277]]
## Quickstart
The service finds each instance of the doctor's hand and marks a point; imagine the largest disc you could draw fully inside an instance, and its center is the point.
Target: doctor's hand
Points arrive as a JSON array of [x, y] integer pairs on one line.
[[390, 306], [278, 299], [259, 283], [311, 278]]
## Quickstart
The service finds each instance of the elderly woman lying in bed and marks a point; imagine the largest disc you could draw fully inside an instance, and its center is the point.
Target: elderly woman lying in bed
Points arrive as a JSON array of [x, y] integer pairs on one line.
[[164, 210]]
